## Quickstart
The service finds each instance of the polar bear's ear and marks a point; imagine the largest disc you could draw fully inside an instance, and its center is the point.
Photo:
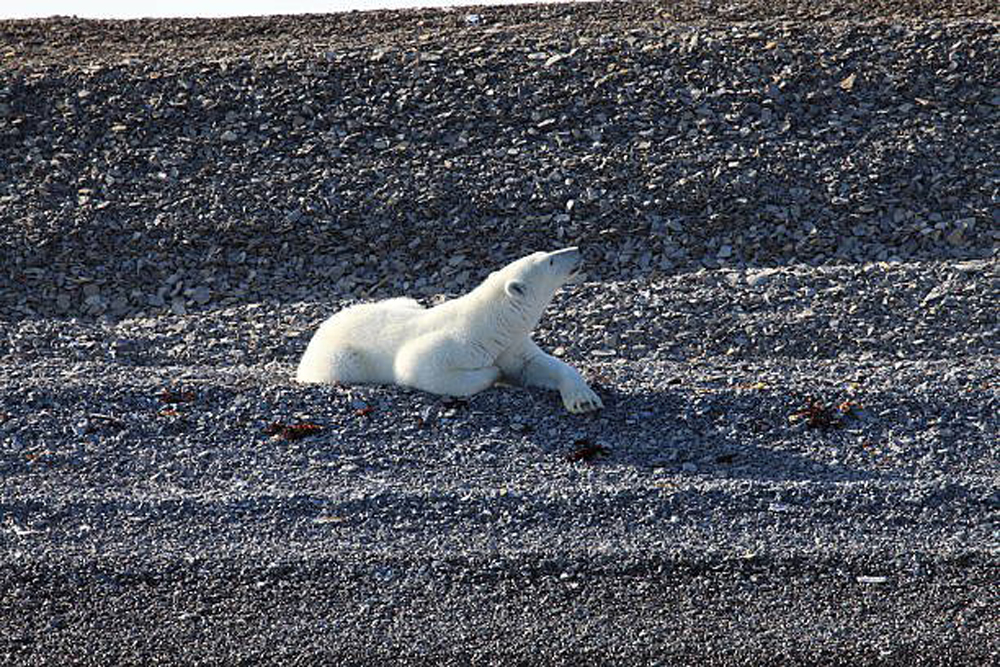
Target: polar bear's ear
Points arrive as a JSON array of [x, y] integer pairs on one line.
[[515, 289]]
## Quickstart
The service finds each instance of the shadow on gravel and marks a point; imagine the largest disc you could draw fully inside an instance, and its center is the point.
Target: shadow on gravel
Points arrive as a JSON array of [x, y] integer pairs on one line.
[[720, 435], [229, 423]]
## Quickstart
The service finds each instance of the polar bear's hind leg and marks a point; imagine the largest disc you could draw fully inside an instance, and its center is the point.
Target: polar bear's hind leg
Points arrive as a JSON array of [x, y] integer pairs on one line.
[[344, 365], [349, 366]]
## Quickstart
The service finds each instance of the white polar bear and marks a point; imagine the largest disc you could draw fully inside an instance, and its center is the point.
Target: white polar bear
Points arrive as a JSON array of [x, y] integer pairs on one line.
[[459, 347]]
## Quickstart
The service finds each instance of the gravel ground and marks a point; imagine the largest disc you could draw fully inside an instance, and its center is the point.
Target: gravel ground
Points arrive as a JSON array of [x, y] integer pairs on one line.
[[789, 217]]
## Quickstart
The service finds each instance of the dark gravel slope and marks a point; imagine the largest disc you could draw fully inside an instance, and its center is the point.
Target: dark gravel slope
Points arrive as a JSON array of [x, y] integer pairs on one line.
[[264, 161], [789, 216]]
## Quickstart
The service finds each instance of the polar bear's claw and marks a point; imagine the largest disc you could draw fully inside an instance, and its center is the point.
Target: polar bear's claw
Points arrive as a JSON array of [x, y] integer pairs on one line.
[[582, 399]]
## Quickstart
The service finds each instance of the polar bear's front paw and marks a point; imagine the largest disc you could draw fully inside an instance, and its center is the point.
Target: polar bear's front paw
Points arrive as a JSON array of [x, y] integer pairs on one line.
[[581, 398]]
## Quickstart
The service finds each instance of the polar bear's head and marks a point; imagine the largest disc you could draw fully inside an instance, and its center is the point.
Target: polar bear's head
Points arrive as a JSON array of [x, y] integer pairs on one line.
[[513, 298], [538, 275]]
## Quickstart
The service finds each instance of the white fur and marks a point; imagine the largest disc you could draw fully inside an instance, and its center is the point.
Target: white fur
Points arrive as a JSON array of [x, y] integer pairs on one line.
[[457, 348]]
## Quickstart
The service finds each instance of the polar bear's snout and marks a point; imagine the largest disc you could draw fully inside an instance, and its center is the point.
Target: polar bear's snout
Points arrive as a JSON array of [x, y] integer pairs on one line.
[[569, 260]]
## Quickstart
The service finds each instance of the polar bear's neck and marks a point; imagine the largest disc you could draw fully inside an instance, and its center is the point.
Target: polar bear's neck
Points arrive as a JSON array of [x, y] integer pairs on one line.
[[498, 320]]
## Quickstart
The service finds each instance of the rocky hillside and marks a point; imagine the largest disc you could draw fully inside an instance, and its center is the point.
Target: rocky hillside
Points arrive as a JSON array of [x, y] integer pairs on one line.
[[153, 165]]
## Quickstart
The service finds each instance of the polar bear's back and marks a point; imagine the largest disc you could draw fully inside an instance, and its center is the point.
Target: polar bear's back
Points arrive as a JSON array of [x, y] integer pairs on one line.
[[358, 344]]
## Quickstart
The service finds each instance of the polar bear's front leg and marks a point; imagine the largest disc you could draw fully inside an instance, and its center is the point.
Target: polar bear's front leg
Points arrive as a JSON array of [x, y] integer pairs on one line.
[[442, 365], [462, 381], [528, 365]]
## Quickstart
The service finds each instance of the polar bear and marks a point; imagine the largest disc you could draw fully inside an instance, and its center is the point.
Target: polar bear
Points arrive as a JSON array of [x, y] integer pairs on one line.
[[459, 347]]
